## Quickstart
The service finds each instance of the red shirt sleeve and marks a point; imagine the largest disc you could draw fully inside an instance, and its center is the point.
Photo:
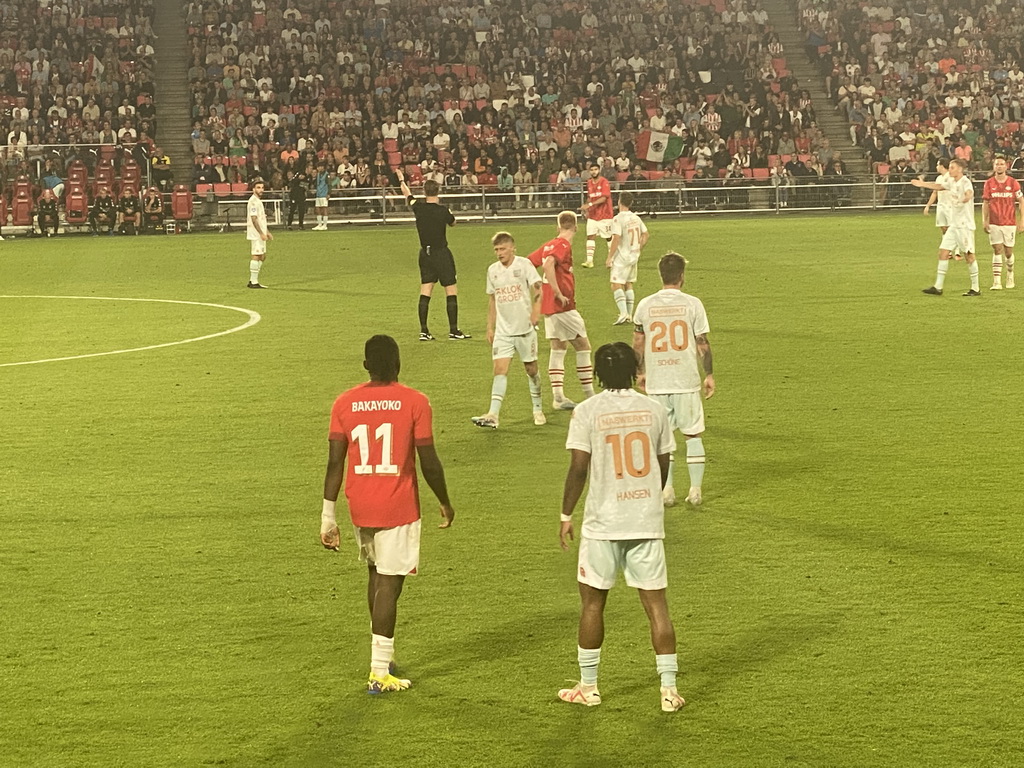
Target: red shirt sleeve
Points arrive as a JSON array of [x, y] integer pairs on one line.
[[537, 257], [987, 193], [603, 187], [338, 431], [423, 421]]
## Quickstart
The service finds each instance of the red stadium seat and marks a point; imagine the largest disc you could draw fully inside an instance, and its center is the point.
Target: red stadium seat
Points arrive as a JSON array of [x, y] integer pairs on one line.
[[222, 189], [202, 189], [78, 172], [22, 203], [761, 174], [181, 205], [240, 188]]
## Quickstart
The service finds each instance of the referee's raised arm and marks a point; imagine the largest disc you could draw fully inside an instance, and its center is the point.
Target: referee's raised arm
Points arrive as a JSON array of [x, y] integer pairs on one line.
[[405, 187]]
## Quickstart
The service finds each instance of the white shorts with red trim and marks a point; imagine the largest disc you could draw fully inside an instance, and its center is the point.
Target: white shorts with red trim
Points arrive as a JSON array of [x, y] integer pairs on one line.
[[565, 326]]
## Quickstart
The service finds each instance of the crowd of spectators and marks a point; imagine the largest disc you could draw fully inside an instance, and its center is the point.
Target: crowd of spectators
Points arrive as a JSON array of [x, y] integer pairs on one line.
[[510, 95], [75, 84], [920, 81]]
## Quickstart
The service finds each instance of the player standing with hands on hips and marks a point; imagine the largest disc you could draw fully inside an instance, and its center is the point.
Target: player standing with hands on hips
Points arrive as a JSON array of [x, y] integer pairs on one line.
[[380, 427], [256, 232], [670, 338], [437, 265], [623, 440], [513, 290]]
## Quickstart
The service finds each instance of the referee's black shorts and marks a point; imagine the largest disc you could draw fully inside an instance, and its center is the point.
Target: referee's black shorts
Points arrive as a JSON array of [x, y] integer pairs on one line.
[[437, 265]]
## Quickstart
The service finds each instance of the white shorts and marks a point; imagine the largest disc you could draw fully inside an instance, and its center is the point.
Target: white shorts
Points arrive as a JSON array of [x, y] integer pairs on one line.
[[393, 551], [941, 217], [622, 272], [320, 202], [524, 345], [1002, 235], [642, 562], [600, 227], [258, 247], [685, 411], [958, 239], [564, 326]]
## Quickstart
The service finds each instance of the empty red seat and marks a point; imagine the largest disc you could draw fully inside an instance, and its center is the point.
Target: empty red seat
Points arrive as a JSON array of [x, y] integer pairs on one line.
[[181, 203]]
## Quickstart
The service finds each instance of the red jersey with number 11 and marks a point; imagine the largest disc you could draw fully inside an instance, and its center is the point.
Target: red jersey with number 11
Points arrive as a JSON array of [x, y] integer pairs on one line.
[[383, 423], [1002, 199], [560, 250]]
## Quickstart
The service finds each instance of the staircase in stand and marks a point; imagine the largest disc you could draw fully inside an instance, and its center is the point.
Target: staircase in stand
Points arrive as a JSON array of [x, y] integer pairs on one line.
[[782, 16], [173, 99]]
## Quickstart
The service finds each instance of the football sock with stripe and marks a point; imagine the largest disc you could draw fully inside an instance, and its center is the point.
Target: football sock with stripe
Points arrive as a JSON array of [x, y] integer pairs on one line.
[[589, 659], [254, 270], [591, 248], [424, 310], [630, 301], [382, 650], [668, 666], [535, 392], [556, 372], [452, 305], [620, 300], [972, 270], [585, 370], [695, 461], [498, 388], [940, 276], [997, 269]]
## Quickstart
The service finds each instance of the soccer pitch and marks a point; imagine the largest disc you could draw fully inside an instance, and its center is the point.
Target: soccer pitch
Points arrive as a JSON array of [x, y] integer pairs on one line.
[[848, 595]]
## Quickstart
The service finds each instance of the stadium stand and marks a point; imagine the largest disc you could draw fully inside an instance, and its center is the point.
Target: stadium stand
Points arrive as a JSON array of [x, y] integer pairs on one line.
[[458, 91], [917, 83], [77, 95]]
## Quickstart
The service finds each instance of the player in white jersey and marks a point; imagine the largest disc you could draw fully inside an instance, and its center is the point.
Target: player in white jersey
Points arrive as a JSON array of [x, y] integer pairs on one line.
[[513, 288], [960, 234], [940, 197], [671, 343], [256, 232], [629, 236], [623, 439]]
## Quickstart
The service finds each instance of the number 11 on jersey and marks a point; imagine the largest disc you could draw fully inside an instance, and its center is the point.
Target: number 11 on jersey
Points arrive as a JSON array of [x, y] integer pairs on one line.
[[383, 435]]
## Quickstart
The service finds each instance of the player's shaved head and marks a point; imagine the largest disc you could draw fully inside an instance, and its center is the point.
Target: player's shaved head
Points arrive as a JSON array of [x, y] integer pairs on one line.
[[567, 221], [381, 358], [502, 237], [615, 365], [672, 267]]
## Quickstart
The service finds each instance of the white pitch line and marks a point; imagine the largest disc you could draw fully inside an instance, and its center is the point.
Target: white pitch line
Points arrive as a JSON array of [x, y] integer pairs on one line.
[[254, 317]]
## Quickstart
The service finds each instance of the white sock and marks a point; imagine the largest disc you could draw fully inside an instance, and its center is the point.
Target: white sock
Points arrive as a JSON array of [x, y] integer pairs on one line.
[[254, 270], [671, 469], [591, 248], [589, 659], [1009, 268], [667, 665], [695, 461], [382, 650], [498, 388], [997, 268], [620, 300], [940, 277], [972, 270], [535, 392], [585, 371], [556, 372], [630, 301]]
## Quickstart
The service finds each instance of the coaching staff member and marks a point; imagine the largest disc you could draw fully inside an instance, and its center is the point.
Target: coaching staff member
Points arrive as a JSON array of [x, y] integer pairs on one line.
[[437, 265]]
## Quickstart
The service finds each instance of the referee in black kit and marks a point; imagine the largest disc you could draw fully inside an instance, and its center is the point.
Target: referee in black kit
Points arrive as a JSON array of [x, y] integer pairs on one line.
[[437, 265]]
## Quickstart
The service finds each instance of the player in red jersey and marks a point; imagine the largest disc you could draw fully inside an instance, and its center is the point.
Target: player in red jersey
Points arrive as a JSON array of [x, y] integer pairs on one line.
[[381, 426], [598, 210], [1001, 210], [563, 325]]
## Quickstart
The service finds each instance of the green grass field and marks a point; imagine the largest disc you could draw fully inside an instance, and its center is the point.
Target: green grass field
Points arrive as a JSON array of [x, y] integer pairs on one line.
[[849, 595]]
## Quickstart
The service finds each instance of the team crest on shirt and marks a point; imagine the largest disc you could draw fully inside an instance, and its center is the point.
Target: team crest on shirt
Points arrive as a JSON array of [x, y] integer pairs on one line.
[[517, 272]]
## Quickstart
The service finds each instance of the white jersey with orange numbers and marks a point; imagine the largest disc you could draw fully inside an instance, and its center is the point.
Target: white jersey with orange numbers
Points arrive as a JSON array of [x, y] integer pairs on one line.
[[624, 432], [629, 227], [670, 321]]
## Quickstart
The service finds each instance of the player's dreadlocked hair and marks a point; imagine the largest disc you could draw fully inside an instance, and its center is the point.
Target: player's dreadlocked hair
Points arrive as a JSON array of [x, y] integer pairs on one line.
[[381, 358], [615, 365]]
